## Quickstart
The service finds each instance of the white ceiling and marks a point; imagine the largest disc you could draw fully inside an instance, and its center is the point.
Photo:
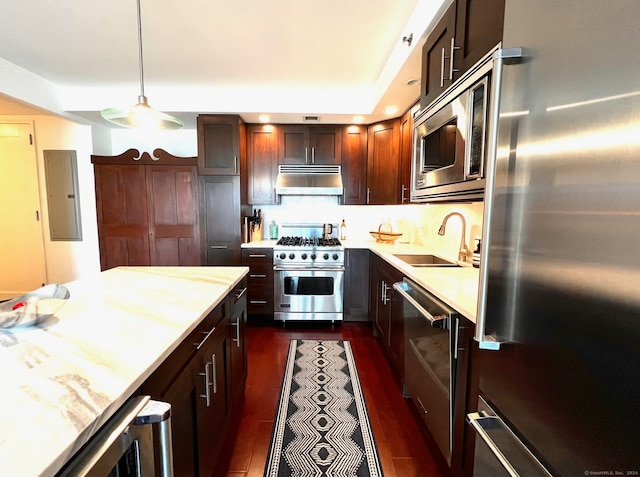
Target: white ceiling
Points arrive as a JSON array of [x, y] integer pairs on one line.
[[287, 58]]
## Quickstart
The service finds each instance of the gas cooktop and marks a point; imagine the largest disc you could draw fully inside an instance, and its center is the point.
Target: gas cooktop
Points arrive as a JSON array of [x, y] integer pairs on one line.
[[308, 242]]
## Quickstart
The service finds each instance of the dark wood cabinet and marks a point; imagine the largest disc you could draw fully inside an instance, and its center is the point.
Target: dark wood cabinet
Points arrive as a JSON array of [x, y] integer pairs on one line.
[[479, 27], [464, 34], [222, 228], [436, 52], [386, 312], [220, 144], [262, 164], [237, 351], [260, 284], [356, 285], [299, 144], [204, 380], [406, 155], [354, 165], [383, 163], [147, 209]]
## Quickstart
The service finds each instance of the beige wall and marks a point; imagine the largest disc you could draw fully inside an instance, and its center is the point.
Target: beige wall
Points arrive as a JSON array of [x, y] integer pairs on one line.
[[66, 261]]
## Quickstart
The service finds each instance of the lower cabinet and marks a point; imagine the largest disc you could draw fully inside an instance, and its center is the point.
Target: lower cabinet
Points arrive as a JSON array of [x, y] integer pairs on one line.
[[203, 380], [356, 285], [221, 233], [386, 311]]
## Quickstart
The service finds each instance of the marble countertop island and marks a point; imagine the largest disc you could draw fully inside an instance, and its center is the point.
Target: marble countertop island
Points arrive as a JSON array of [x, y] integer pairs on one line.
[[62, 379]]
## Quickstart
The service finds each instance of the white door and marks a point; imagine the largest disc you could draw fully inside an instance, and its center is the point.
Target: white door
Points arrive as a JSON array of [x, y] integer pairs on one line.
[[22, 265]]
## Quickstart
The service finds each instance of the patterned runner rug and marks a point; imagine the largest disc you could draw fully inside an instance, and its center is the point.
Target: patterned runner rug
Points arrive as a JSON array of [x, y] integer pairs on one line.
[[322, 428]]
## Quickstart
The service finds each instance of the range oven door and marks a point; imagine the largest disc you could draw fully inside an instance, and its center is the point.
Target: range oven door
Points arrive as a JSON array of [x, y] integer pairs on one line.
[[308, 293]]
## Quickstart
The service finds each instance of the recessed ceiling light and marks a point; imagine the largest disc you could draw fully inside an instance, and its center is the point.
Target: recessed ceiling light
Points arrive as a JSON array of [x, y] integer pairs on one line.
[[263, 118], [358, 119], [390, 110], [413, 82]]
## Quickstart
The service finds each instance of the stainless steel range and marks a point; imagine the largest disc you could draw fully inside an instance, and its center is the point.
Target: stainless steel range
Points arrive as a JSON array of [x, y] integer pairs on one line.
[[308, 274]]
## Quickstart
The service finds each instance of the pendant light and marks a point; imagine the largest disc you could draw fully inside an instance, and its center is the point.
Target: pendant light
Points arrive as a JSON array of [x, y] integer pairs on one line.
[[141, 115]]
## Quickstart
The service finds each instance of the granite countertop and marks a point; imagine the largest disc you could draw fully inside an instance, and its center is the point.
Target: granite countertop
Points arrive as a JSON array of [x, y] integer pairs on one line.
[[63, 379], [456, 286]]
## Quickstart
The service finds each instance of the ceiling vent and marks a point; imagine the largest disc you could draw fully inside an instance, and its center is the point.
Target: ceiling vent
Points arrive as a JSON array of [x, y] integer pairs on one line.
[[311, 118]]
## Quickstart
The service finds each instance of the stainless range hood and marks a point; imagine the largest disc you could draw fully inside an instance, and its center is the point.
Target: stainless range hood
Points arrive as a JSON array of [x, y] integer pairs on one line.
[[309, 179]]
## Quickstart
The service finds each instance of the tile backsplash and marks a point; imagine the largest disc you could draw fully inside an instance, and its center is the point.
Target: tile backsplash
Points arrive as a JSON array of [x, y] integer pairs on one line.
[[419, 223]]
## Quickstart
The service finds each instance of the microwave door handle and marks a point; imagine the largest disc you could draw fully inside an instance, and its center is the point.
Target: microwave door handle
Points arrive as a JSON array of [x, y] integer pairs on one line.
[[434, 321], [501, 57]]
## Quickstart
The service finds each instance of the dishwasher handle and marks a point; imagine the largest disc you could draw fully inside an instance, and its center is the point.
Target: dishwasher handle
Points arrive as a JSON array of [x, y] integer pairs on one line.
[[435, 320]]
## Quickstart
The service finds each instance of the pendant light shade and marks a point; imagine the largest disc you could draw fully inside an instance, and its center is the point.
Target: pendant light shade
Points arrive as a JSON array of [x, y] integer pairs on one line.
[[141, 116]]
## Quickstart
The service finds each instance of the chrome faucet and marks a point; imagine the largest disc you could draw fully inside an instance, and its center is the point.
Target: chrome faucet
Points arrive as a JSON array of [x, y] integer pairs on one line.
[[464, 252]]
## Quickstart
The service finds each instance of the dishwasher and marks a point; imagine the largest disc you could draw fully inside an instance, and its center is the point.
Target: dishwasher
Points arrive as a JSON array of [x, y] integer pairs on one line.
[[430, 355]]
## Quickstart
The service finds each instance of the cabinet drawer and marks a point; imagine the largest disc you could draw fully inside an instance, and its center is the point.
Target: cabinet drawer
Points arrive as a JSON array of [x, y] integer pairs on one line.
[[260, 301], [260, 275], [167, 372], [257, 256]]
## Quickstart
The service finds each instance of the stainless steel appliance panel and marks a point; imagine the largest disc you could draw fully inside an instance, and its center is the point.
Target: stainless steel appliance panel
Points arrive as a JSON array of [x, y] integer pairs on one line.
[[308, 293], [560, 287], [430, 330]]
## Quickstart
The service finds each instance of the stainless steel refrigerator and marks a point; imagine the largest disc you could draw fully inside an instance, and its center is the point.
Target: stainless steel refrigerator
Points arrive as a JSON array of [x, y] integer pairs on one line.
[[559, 307]]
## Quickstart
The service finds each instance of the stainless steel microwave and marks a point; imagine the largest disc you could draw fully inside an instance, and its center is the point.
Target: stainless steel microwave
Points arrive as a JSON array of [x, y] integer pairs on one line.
[[450, 140]]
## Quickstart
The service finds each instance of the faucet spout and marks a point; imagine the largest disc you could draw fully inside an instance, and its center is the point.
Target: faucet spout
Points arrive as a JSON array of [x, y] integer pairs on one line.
[[464, 251]]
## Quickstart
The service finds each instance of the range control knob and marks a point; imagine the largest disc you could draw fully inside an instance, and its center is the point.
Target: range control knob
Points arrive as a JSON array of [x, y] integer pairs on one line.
[[303, 256], [283, 256], [292, 256], [313, 256], [335, 256], [326, 256]]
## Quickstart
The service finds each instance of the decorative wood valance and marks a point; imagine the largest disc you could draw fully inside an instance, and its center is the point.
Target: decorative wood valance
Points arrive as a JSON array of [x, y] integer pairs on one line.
[[133, 156]]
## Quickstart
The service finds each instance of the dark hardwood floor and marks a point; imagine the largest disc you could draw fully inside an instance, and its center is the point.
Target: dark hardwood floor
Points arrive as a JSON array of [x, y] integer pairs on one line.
[[402, 448]]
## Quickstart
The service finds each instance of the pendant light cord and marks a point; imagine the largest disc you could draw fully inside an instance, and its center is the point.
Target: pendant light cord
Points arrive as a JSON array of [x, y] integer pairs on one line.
[[140, 55]]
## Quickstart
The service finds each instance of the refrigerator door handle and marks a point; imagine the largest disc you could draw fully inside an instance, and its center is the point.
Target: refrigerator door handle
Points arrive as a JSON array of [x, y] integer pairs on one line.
[[501, 57]]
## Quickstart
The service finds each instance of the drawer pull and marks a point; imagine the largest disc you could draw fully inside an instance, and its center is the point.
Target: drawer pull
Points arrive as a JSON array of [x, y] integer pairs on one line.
[[258, 302], [252, 255], [258, 275]]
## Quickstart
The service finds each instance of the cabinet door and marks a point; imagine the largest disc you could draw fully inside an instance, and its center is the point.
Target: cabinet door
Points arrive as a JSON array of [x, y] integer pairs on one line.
[[406, 155], [356, 285], [479, 25], [237, 352], [221, 213], [383, 163], [354, 165], [122, 212], [174, 227], [219, 144], [435, 58], [326, 144], [262, 156], [293, 145], [211, 405]]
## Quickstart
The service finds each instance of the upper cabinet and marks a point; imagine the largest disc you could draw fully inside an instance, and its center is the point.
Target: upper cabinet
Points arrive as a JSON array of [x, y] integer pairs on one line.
[[479, 25], [262, 164], [464, 34], [406, 149], [309, 144], [383, 163], [435, 74], [354, 165], [221, 140]]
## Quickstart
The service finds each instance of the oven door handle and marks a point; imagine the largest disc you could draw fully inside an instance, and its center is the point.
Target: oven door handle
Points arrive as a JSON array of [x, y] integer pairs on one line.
[[308, 269], [438, 321]]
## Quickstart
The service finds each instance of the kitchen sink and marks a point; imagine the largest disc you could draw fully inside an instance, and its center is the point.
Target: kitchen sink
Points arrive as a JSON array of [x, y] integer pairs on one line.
[[420, 260]]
